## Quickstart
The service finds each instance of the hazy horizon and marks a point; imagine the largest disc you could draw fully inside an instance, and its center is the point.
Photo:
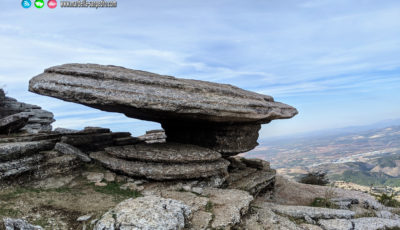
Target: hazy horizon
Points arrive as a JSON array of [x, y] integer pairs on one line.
[[337, 62]]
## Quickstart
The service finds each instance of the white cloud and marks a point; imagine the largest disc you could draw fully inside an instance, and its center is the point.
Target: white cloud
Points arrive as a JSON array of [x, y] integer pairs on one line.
[[287, 49]]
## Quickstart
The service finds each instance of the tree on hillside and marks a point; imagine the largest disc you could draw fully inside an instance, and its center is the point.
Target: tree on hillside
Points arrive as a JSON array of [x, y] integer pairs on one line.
[[316, 177]]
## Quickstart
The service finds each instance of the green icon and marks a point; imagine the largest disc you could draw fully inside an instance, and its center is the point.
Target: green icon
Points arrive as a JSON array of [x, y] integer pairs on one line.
[[39, 4]]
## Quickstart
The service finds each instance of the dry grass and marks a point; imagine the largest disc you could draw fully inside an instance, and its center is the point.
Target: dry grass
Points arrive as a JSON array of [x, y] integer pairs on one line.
[[293, 193], [59, 208]]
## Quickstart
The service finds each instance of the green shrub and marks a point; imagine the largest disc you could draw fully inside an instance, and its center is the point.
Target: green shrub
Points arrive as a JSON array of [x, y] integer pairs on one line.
[[316, 178], [322, 202], [388, 200]]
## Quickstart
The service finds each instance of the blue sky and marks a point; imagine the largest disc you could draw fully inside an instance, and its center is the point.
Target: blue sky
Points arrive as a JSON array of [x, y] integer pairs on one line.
[[336, 61]]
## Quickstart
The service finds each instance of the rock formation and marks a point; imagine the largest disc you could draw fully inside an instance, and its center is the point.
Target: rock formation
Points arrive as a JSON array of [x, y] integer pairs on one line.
[[223, 119], [27, 157], [252, 175], [39, 120], [154, 136], [183, 178], [218, 116]]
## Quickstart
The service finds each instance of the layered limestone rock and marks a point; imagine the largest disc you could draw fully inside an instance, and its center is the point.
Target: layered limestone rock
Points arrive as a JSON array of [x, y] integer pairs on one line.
[[163, 161], [38, 165], [13, 123], [154, 136], [218, 116], [252, 175], [32, 157], [146, 213], [39, 120], [164, 153]]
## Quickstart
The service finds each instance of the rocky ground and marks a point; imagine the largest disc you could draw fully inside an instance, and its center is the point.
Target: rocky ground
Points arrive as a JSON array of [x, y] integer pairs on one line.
[[186, 177], [95, 198]]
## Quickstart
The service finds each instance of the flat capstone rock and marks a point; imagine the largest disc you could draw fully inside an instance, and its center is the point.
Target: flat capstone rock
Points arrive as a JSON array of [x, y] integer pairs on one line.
[[221, 117], [155, 97]]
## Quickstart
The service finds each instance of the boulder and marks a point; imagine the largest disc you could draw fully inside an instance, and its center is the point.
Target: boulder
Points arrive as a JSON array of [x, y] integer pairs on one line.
[[162, 171], [19, 224], [94, 177], [228, 206], [164, 152], [13, 123], [263, 218], [192, 200], [69, 149], [149, 212], [220, 116]]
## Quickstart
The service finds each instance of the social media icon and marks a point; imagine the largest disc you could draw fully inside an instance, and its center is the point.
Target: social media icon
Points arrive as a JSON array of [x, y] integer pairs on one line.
[[39, 4], [52, 4], [26, 3]]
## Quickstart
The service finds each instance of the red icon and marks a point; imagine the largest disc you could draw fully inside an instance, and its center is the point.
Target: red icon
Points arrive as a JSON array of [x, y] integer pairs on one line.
[[52, 4]]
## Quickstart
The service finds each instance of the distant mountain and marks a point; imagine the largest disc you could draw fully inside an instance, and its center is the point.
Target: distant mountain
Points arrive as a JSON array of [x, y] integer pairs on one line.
[[359, 155], [329, 133]]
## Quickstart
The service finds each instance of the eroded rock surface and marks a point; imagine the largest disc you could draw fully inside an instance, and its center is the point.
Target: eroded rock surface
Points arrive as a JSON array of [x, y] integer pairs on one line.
[[69, 149], [374, 223], [164, 152], [157, 97], [228, 206], [149, 212], [19, 224], [252, 175], [12, 151], [154, 136], [13, 123], [336, 224], [162, 171], [39, 120], [312, 212]]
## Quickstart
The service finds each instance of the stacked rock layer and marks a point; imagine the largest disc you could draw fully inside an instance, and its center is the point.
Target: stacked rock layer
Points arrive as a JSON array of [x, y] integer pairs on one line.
[[163, 161], [26, 158], [15, 116]]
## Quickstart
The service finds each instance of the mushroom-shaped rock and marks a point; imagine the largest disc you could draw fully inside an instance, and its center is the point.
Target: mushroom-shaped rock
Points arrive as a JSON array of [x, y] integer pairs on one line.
[[220, 116]]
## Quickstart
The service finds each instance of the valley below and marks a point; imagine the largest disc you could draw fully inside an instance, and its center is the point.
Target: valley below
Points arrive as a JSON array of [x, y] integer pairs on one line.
[[359, 159]]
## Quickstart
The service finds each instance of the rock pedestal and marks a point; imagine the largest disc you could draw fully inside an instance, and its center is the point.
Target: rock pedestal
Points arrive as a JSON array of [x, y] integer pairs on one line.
[[227, 139], [220, 116]]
